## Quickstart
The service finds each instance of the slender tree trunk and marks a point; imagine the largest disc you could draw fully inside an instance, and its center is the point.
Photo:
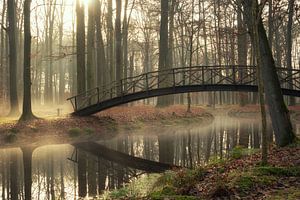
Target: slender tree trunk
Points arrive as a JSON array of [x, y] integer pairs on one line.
[[27, 111], [289, 46], [280, 118], [118, 48], [11, 13], [125, 43], [61, 65], [163, 52], [91, 70], [110, 42], [2, 51], [101, 59], [189, 99], [242, 50], [80, 40]]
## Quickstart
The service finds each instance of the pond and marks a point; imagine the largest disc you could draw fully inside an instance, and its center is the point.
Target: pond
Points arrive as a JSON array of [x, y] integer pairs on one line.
[[66, 172]]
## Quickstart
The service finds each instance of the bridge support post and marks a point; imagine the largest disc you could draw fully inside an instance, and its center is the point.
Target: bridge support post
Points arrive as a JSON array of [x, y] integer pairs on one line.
[[98, 94], [121, 88], [233, 74], [174, 83], [147, 83], [75, 104], [202, 74]]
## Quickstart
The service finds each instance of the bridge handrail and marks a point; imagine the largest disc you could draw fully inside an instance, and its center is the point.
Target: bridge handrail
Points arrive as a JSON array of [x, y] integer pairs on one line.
[[210, 74], [161, 71]]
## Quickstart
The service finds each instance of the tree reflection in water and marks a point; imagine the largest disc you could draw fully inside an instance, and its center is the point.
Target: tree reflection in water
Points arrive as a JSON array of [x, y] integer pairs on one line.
[[54, 176]]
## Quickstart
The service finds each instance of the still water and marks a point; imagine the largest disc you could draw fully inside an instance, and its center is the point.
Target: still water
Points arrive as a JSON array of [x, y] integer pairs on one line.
[[66, 172]]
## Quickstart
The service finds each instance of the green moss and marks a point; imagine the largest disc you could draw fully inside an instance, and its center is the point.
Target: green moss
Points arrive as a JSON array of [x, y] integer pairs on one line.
[[287, 194], [89, 131], [278, 171], [239, 152], [120, 193], [186, 178], [246, 181], [75, 132], [165, 191], [215, 160]]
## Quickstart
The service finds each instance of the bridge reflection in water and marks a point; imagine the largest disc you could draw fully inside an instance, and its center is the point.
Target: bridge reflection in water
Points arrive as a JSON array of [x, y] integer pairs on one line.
[[89, 173], [179, 80]]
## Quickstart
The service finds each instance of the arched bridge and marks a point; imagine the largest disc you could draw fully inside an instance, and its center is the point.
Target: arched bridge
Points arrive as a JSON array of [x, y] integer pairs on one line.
[[179, 80]]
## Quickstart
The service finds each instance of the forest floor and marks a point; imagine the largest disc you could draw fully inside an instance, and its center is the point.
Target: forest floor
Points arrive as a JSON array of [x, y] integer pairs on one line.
[[240, 177], [52, 129]]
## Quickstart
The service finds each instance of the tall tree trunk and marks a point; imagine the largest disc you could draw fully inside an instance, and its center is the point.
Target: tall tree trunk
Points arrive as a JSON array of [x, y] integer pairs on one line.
[[242, 49], [61, 65], [189, 99], [289, 46], [27, 111], [2, 51], [118, 48], [91, 70], [11, 14], [110, 42], [101, 59], [163, 53], [280, 118], [80, 40], [270, 24]]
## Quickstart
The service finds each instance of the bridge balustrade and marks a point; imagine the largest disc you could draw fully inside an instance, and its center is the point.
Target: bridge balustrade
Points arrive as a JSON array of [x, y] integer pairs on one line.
[[181, 77]]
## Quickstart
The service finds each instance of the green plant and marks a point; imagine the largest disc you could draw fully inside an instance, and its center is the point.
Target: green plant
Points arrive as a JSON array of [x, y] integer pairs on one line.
[[75, 132], [89, 131], [278, 171], [245, 182], [120, 193]]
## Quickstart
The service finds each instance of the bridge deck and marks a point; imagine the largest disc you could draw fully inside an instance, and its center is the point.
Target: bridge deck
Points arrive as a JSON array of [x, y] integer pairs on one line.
[[179, 80]]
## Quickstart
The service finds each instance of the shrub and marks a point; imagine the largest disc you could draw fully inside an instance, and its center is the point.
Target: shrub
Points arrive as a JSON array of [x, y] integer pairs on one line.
[[89, 131], [75, 132]]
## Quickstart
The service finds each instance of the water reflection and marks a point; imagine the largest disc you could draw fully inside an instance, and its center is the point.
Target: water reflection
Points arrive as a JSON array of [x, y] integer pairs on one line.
[[66, 172]]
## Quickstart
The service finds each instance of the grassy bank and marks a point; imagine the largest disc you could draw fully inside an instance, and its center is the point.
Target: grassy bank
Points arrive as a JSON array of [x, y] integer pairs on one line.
[[240, 177]]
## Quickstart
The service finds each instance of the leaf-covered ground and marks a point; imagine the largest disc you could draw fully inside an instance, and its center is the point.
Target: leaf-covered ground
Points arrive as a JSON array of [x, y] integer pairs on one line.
[[241, 177], [66, 128]]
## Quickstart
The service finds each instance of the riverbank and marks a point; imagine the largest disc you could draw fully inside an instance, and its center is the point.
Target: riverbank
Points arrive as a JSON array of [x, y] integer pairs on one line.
[[104, 125], [252, 111], [240, 177]]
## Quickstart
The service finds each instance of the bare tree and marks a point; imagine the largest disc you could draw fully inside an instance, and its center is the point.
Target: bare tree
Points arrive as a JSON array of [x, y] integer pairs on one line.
[[80, 40], [279, 113], [14, 104], [27, 111]]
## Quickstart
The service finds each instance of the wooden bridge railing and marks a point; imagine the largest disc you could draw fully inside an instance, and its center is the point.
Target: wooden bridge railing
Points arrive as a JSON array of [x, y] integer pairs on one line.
[[176, 77]]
